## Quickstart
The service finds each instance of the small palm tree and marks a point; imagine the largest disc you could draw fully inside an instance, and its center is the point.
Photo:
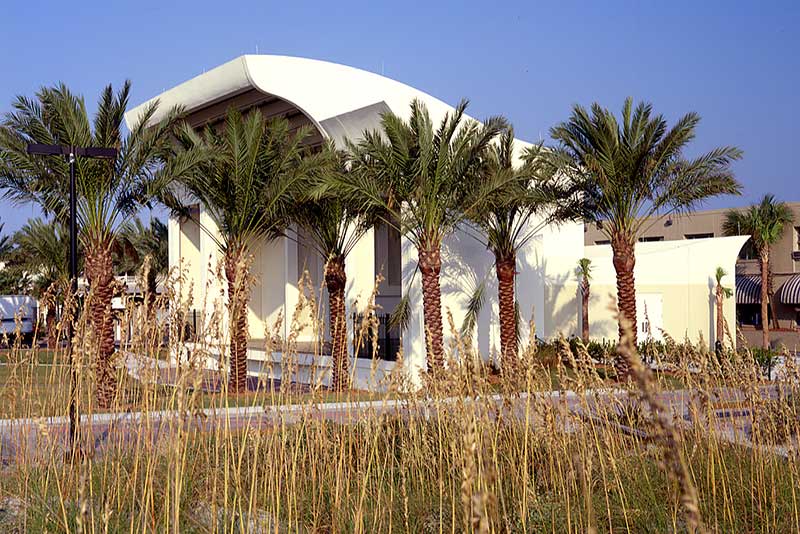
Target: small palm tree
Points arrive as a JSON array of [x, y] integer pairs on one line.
[[423, 178], [334, 225], [585, 276], [248, 185], [43, 249], [720, 294], [765, 222], [145, 243], [626, 173], [109, 192], [506, 224]]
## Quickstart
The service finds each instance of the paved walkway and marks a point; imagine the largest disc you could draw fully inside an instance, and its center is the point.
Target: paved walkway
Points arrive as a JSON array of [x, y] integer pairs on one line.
[[42, 438]]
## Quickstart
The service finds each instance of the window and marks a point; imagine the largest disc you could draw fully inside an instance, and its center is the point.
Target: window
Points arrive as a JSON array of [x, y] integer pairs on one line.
[[797, 238], [394, 270], [648, 239], [704, 235], [388, 338], [748, 251], [748, 314], [308, 260], [602, 242]]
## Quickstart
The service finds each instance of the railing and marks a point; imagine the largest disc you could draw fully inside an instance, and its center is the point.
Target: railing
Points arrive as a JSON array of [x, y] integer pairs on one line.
[[190, 322], [388, 338]]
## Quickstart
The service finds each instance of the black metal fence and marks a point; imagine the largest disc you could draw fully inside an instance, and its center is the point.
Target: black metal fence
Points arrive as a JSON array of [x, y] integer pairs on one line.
[[388, 338], [190, 324]]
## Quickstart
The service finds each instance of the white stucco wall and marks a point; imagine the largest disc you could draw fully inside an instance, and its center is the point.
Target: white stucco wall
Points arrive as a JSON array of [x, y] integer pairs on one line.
[[545, 289], [678, 273]]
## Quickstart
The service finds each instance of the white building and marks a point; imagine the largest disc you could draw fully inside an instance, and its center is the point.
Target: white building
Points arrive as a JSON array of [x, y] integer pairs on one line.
[[340, 102]]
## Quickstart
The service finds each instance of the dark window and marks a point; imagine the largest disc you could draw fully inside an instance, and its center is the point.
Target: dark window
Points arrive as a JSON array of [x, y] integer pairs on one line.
[[748, 314], [394, 270], [648, 239], [704, 235], [602, 242], [797, 237], [363, 338], [748, 251]]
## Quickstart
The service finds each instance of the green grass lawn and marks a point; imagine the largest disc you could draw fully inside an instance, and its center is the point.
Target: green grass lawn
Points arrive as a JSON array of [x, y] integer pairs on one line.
[[37, 384], [45, 356], [33, 390]]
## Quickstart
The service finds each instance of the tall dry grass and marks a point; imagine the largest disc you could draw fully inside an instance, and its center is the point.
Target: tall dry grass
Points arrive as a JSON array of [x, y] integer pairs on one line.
[[546, 445]]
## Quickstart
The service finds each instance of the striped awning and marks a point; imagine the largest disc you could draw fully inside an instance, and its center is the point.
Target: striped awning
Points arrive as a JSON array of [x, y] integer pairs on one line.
[[748, 289], [790, 291]]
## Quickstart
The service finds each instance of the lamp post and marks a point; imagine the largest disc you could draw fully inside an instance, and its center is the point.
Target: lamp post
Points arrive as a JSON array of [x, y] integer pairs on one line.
[[71, 153]]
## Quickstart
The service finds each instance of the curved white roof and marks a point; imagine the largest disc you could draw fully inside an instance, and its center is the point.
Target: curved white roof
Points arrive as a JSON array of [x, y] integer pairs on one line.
[[323, 91]]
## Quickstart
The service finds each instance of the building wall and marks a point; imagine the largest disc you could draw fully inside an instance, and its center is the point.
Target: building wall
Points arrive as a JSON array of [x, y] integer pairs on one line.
[[677, 227], [545, 289], [678, 273], [784, 256], [189, 259]]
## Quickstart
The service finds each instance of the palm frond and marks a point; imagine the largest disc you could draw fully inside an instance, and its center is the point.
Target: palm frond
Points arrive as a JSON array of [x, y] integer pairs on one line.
[[474, 306]]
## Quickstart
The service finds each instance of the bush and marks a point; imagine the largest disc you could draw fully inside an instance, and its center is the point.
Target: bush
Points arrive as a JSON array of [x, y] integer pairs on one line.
[[765, 358]]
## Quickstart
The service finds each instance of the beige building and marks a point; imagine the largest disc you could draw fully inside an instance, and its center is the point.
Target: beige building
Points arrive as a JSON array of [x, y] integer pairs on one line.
[[784, 257]]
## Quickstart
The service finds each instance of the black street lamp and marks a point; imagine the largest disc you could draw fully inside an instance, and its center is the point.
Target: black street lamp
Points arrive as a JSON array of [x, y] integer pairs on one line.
[[71, 152]]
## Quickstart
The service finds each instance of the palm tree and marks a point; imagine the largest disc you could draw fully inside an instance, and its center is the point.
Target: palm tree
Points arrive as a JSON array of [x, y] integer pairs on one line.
[[334, 226], [421, 177], [109, 192], [5, 242], [141, 243], [765, 223], [585, 276], [506, 226], [248, 188], [626, 174], [43, 249], [720, 294]]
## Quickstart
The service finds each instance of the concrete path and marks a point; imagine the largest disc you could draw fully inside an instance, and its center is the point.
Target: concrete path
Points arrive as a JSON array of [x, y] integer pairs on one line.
[[46, 438]]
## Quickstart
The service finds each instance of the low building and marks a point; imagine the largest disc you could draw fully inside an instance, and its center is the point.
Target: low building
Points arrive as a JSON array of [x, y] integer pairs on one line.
[[784, 259]]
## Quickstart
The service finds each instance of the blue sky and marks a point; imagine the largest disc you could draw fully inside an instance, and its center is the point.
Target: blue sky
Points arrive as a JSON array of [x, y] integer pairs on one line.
[[735, 63]]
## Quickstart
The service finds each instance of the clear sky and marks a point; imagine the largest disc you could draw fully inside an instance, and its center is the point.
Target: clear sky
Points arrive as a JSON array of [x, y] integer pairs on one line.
[[735, 63]]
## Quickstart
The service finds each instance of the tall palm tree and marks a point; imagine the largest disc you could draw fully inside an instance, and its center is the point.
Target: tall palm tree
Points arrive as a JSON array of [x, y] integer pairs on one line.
[[720, 294], [422, 176], [109, 192], [248, 188], [585, 276], [142, 243], [334, 225], [505, 221], [765, 222], [629, 172]]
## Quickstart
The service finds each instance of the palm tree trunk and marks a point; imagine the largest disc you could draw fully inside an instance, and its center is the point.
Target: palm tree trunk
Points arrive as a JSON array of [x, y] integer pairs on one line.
[[764, 261], [430, 266], [100, 275], [506, 269], [238, 295], [151, 294], [771, 297], [585, 310], [52, 325], [720, 299], [624, 251], [335, 282]]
